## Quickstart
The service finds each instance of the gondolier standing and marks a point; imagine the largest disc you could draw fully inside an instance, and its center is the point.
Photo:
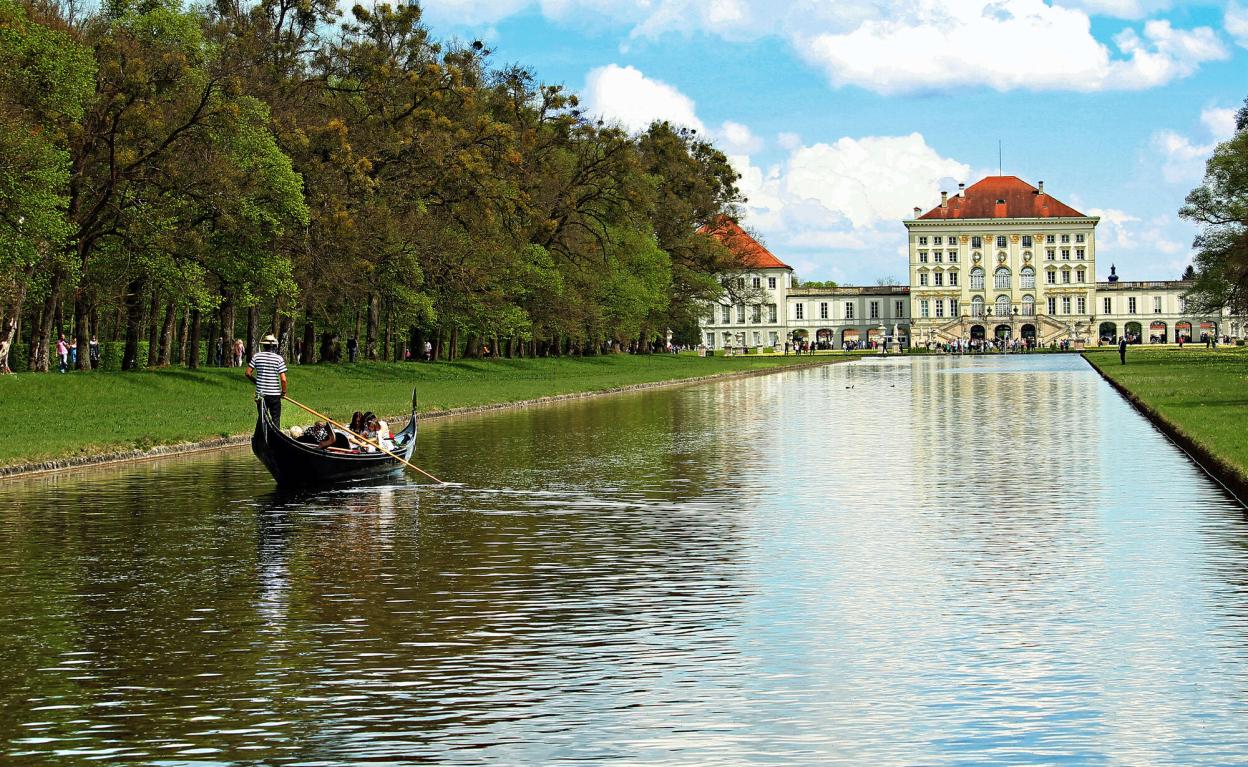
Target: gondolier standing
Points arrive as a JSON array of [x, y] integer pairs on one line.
[[268, 370]]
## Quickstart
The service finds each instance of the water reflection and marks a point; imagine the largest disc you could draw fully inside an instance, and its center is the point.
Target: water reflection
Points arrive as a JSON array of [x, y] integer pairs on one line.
[[939, 561]]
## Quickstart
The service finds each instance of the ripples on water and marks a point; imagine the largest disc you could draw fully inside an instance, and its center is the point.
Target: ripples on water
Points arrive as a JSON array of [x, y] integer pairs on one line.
[[979, 561]]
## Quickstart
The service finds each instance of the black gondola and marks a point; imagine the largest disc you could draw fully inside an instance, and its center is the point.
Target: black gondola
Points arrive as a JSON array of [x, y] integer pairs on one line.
[[298, 464]]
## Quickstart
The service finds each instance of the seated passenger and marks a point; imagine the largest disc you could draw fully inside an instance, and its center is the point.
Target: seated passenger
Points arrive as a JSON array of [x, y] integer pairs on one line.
[[318, 434]]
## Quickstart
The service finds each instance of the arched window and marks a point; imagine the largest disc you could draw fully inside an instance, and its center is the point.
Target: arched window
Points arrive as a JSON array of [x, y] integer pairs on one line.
[[1029, 306], [1003, 306], [977, 279], [977, 304], [1001, 278], [1028, 277]]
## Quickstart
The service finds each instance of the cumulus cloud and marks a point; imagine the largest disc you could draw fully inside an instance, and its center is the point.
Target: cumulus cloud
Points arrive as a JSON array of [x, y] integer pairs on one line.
[[1236, 23], [735, 138], [788, 141], [891, 46], [1183, 158], [626, 96]]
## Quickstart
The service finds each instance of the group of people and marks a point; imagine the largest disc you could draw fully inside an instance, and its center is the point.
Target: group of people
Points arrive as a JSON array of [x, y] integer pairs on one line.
[[1004, 345], [367, 432], [67, 353]]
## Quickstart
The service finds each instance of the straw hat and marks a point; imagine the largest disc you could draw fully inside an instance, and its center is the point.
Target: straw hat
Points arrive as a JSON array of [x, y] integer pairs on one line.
[[269, 340]]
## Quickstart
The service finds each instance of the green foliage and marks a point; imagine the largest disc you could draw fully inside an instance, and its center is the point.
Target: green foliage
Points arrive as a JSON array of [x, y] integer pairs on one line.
[[1220, 206]]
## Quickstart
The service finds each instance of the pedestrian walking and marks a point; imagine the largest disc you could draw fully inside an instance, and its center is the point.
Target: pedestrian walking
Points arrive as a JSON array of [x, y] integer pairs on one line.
[[353, 348], [268, 370], [428, 351], [93, 352], [62, 353], [1122, 350]]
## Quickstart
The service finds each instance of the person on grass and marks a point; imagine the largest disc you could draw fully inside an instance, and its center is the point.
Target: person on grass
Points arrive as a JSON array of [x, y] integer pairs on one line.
[[268, 370]]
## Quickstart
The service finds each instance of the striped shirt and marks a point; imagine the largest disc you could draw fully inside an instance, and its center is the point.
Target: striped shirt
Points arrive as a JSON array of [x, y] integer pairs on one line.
[[269, 367]]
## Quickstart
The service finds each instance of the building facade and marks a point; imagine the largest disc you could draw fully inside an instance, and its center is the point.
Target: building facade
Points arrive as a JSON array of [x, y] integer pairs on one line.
[[998, 259]]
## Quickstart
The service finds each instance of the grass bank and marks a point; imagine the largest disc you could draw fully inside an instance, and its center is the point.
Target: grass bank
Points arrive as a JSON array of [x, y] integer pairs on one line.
[[50, 416], [1198, 396]]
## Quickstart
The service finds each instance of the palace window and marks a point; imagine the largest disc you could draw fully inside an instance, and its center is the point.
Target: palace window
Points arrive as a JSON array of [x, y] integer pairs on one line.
[[953, 278], [977, 307], [936, 256], [758, 338], [799, 309], [1080, 275], [1131, 305], [1065, 238], [1029, 306], [741, 313], [1050, 254], [1026, 240], [977, 279], [899, 308], [1156, 304], [953, 307], [757, 282], [849, 310], [937, 240], [940, 308], [725, 312], [1065, 276], [1001, 278], [1079, 253], [1049, 239], [922, 240], [771, 313], [771, 282], [1109, 305], [1052, 303], [740, 282], [1078, 238], [1065, 254], [922, 256], [1001, 241], [823, 310], [756, 313], [922, 278], [1003, 306], [1027, 278], [1050, 277], [953, 256], [977, 242], [1082, 303], [1065, 304], [875, 310], [939, 278], [923, 308]]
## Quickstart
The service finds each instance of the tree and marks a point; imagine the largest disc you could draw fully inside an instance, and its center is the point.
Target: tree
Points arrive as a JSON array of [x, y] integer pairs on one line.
[[1189, 274], [1220, 206]]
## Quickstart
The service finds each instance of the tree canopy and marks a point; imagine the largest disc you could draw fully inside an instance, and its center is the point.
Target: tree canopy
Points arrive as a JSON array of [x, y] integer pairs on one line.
[[169, 171]]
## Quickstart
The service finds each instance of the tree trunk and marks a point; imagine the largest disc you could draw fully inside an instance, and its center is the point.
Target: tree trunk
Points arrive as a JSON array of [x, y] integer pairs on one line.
[[370, 328], [153, 330], [134, 322], [166, 337], [253, 319], [192, 354], [453, 346], [39, 355], [390, 337], [184, 327], [309, 338], [284, 327], [227, 330], [11, 319]]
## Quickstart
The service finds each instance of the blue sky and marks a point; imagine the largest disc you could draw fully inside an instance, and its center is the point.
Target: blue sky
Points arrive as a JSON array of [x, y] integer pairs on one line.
[[842, 116]]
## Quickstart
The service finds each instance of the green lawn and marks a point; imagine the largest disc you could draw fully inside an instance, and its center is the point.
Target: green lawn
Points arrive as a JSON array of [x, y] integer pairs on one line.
[[1201, 393], [48, 415]]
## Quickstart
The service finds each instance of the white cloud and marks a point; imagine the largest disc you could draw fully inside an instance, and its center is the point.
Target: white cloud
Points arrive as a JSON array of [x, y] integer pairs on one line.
[[1236, 23], [1182, 158], [735, 138], [893, 46], [834, 208], [1007, 45], [788, 141], [625, 95]]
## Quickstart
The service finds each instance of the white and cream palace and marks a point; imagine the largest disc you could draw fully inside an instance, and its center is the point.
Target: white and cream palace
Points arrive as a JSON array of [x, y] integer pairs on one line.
[[998, 259]]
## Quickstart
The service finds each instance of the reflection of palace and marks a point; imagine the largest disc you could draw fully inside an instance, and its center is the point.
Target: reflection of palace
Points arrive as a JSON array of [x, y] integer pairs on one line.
[[1000, 258]]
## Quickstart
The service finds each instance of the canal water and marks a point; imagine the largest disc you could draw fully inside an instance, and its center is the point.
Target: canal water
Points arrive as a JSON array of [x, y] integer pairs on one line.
[[921, 561]]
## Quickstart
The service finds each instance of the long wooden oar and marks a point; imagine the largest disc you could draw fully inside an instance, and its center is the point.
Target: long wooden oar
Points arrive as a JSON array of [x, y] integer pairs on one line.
[[364, 439]]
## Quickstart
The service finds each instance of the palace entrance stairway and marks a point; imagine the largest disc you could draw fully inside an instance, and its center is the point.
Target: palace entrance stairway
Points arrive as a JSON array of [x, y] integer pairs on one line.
[[1045, 328]]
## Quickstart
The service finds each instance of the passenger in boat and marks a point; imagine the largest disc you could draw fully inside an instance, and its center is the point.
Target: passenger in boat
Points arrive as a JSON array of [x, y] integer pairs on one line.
[[318, 434]]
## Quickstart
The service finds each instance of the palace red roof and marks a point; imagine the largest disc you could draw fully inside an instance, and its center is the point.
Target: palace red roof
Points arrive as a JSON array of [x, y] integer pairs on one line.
[[1002, 197], [751, 252]]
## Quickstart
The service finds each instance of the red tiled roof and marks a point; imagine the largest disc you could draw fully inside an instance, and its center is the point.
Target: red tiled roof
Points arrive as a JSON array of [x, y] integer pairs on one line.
[[1021, 200], [751, 252]]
